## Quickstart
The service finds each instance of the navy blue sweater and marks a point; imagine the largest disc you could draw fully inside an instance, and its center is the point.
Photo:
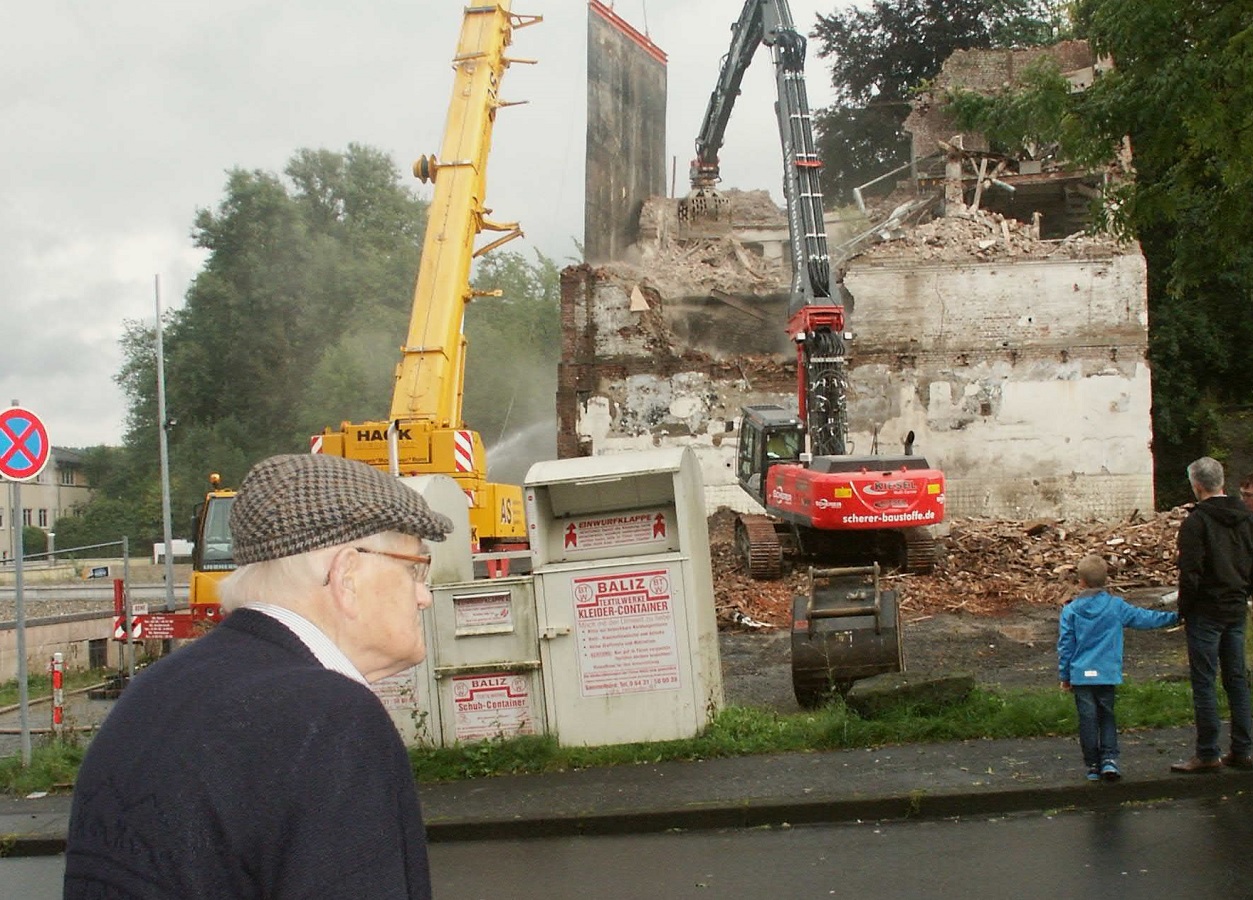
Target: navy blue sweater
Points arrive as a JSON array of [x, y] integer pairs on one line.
[[240, 767]]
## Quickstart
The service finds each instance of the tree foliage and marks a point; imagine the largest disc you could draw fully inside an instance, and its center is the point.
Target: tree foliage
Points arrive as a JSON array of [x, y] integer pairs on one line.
[[293, 324], [1181, 96], [881, 53]]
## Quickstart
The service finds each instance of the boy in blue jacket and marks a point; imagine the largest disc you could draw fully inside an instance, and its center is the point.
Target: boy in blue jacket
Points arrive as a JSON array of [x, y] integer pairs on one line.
[[1089, 661]]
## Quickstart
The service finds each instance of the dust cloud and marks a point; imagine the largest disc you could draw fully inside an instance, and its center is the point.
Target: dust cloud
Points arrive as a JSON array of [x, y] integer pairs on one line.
[[509, 459]]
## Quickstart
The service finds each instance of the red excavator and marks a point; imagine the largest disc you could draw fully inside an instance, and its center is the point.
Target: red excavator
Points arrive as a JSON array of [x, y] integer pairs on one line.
[[856, 516]]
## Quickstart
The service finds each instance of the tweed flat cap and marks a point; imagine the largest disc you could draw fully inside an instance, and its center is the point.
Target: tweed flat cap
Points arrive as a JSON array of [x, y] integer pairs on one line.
[[300, 502]]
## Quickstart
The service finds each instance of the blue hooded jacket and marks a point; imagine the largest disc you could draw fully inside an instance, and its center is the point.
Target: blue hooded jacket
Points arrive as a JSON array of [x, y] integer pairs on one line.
[[1089, 641]]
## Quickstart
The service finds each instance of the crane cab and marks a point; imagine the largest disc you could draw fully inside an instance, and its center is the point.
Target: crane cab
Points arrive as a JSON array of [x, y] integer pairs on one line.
[[213, 557]]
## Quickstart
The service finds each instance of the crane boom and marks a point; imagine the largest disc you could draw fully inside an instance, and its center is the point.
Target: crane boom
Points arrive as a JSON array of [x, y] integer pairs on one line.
[[431, 375], [425, 432]]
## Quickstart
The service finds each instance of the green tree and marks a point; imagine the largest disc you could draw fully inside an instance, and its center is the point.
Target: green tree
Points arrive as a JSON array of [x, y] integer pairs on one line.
[[1181, 96], [294, 324], [34, 540], [881, 53], [307, 273]]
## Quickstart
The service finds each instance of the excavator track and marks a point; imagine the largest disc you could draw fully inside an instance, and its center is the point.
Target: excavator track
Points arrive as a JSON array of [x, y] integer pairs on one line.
[[921, 551], [758, 545]]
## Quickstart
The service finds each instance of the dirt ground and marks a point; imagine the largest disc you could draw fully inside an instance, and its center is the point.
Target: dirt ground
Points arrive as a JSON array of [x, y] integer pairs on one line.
[[1017, 649], [1004, 633]]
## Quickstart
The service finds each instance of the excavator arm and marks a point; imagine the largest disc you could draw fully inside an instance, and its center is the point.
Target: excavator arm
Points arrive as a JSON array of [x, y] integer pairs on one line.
[[816, 304]]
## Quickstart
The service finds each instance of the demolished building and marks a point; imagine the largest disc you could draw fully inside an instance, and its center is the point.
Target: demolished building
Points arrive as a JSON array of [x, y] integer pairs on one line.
[[1016, 359]]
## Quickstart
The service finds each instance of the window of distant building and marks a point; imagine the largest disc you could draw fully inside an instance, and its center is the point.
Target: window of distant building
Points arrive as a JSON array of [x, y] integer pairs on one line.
[[67, 475], [26, 519], [43, 518]]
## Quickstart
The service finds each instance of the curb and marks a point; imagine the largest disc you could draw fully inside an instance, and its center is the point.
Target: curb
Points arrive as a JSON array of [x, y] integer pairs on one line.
[[918, 805]]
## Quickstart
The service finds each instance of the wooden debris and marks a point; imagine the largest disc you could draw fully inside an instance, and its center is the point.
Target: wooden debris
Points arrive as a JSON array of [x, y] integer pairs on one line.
[[990, 566]]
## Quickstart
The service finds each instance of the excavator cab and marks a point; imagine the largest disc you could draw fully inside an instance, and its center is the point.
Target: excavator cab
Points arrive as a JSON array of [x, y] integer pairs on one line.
[[768, 435]]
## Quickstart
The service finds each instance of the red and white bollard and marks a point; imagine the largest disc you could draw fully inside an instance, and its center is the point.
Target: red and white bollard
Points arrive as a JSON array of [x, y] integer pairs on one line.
[[58, 695]]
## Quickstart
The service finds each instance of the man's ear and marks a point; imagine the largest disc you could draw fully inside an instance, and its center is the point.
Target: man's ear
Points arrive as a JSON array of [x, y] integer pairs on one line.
[[343, 581]]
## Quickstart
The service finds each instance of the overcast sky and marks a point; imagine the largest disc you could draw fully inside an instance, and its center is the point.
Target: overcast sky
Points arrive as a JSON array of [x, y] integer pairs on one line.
[[119, 120]]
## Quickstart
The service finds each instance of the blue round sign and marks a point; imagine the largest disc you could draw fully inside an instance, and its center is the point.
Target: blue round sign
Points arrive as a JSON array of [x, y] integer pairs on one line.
[[24, 446]]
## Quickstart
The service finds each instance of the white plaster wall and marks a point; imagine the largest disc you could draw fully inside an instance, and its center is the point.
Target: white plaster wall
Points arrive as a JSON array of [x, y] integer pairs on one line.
[[1024, 380], [984, 306]]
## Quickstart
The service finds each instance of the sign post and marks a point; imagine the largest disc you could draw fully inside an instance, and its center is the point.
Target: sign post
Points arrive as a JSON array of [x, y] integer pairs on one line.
[[24, 451]]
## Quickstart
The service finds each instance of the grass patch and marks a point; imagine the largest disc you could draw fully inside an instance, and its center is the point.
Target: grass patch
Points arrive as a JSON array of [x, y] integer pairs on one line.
[[736, 731], [744, 731], [39, 684], [53, 764]]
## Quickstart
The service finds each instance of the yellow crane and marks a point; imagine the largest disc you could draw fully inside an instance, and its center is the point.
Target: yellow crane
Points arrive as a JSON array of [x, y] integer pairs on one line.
[[425, 433]]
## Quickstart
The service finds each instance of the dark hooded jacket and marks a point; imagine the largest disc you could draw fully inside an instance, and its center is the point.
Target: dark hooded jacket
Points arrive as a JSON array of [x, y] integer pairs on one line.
[[1216, 560]]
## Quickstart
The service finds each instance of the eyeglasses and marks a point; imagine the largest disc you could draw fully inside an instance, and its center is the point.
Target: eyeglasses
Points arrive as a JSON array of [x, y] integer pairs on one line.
[[1246, 492], [421, 565]]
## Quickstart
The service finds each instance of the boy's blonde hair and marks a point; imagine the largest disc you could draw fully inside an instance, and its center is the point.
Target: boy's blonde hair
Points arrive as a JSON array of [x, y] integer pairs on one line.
[[1092, 571]]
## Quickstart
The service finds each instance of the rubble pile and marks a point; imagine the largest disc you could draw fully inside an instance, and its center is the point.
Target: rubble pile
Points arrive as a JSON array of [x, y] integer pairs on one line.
[[697, 267], [677, 264], [990, 567], [741, 602], [982, 236], [754, 209]]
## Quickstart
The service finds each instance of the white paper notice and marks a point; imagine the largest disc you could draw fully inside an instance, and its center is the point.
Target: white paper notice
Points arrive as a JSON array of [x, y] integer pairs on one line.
[[489, 706], [626, 633]]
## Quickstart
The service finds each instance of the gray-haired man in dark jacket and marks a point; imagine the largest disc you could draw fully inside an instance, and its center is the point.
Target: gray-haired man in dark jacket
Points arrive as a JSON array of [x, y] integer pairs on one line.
[[256, 762], [1215, 577]]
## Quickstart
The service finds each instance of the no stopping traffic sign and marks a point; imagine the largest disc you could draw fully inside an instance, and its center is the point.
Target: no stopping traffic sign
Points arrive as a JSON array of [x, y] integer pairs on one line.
[[24, 446]]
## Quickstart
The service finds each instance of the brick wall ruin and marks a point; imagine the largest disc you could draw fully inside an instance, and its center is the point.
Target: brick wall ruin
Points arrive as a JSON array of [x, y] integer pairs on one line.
[[987, 71], [1019, 363]]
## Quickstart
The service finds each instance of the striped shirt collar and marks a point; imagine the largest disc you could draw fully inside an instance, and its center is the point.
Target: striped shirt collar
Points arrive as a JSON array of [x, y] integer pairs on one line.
[[321, 646]]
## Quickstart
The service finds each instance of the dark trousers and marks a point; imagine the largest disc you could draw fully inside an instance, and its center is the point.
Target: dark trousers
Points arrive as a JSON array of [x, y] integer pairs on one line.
[[1215, 647], [1098, 730]]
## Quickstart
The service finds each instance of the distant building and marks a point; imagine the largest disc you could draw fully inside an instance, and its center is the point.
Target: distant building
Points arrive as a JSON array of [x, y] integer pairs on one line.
[[60, 490]]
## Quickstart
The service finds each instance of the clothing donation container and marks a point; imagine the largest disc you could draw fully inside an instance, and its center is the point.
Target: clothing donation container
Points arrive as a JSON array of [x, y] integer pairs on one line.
[[624, 591], [479, 677], [483, 655]]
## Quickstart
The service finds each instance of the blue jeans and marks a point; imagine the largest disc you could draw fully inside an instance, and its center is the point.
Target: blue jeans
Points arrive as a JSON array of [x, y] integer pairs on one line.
[[1098, 731], [1215, 646]]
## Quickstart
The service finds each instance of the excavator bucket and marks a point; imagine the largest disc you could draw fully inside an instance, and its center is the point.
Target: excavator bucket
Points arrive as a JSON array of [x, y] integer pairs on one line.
[[704, 213], [844, 629]]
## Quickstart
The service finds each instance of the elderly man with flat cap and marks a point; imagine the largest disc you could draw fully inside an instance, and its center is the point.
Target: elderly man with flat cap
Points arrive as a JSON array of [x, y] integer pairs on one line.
[[256, 762]]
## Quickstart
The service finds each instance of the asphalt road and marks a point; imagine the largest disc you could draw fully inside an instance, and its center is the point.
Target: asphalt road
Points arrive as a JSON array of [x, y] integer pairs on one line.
[[1196, 849]]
